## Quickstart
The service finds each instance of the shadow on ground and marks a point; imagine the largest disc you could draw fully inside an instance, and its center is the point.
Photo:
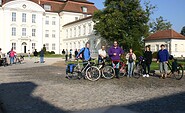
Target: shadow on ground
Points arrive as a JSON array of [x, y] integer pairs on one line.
[[17, 98], [168, 104]]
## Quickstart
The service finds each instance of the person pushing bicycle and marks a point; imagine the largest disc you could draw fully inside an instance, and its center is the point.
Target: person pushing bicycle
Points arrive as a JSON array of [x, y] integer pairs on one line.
[[115, 53]]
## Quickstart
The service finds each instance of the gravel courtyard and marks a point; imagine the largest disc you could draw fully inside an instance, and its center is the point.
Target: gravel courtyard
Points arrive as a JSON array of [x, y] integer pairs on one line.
[[43, 88]]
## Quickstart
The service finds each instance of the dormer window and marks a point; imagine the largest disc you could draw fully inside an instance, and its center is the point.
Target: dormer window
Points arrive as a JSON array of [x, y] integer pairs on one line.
[[47, 7], [84, 9]]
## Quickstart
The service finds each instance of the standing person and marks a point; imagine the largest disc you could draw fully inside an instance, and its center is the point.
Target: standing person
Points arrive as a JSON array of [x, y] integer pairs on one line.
[[42, 56], [29, 54], [131, 57], [162, 59], [35, 54], [76, 53], [63, 52], [70, 54], [66, 55], [1, 54], [12, 56], [148, 60], [101, 54], [84, 53], [115, 53]]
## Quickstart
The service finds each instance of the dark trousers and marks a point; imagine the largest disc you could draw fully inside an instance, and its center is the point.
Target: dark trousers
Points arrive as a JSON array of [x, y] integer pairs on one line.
[[146, 67], [66, 57]]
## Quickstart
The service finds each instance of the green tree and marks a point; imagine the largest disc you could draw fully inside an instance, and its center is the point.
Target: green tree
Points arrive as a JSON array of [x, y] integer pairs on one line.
[[159, 24], [183, 31], [123, 20]]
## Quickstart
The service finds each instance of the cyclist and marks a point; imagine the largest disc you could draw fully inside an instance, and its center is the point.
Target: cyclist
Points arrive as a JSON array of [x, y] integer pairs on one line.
[[115, 53], [84, 53], [101, 54], [162, 59]]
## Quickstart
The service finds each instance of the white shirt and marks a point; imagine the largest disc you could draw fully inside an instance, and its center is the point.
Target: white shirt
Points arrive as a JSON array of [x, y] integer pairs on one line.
[[102, 52]]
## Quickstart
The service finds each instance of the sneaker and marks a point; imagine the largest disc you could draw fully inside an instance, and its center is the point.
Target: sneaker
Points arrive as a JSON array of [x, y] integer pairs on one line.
[[161, 76], [147, 75], [144, 75]]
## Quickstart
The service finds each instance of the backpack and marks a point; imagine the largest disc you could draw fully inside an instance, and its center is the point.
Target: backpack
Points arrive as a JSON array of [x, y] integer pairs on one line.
[[130, 59], [70, 68], [82, 54]]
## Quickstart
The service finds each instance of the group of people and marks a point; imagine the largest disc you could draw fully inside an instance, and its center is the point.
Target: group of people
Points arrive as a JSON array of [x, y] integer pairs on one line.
[[35, 54], [115, 52], [11, 54], [68, 55]]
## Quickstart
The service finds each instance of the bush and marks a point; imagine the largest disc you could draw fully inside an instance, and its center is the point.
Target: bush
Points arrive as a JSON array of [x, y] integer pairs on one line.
[[138, 53], [154, 55]]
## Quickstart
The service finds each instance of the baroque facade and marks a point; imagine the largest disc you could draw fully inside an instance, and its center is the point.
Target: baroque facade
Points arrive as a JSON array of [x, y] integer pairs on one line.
[[57, 24]]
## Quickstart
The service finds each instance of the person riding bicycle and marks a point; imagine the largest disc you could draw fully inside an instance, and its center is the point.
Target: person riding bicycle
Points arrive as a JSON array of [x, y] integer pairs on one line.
[[115, 53]]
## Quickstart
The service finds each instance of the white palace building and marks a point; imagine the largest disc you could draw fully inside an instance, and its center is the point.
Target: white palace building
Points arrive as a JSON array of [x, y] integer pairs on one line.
[[59, 24]]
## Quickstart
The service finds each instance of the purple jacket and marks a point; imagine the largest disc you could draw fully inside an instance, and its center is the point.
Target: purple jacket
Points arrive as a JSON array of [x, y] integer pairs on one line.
[[113, 50]]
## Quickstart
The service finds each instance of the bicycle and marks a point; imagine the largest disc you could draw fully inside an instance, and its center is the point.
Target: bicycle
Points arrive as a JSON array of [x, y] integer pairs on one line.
[[106, 70], [176, 69], [138, 70], [91, 72], [123, 69]]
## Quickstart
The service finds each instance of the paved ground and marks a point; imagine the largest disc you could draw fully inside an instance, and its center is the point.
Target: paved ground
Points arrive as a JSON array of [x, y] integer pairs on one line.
[[43, 88]]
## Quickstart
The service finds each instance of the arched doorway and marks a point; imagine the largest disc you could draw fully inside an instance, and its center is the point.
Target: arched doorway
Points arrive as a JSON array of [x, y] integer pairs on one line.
[[24, 45]]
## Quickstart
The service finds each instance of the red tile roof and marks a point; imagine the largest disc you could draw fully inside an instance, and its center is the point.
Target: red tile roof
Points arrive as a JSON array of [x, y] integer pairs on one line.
[[68, 5], [74, 6], [166, 34]]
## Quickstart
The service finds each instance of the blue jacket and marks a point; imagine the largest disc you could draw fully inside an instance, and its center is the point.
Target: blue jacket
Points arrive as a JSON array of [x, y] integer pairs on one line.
[[85, 53], [162, 55]]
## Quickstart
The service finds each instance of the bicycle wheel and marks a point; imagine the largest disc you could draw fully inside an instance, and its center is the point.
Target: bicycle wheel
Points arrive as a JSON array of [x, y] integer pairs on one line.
[[108, 72], [138, 72], [122, 72], [93, 73], [179, 73], [75, 74]]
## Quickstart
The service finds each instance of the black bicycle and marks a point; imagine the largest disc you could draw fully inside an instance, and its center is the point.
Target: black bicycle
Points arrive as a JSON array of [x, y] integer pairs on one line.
[[176, 69], [86, 70]]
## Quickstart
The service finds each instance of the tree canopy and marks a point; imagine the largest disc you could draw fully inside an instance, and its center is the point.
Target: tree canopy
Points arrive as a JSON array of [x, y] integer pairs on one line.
[[159, 24], [183, 31], [124, 21]]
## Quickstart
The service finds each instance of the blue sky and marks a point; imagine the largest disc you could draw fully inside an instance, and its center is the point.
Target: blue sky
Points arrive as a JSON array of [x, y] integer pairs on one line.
[[170, 10]]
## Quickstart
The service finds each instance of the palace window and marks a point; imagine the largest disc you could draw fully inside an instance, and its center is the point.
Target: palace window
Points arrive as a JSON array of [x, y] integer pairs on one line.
[[13, 17], [13, 31], [47, 33], [33, 32], [47, 20], [33, 18], [53, 21], [23, 17], [33, 46], [47, 7], [84, 9], [47, 46], [53, 33], [14, 46], [53, 46], [23, 31]]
